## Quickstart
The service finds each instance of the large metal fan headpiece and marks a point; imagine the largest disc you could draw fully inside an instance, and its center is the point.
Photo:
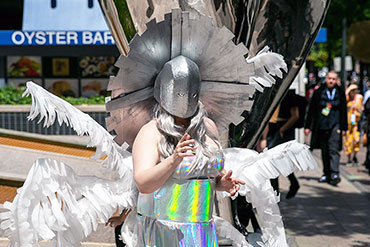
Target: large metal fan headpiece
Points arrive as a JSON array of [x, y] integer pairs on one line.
[[228, 81], [287, 27]]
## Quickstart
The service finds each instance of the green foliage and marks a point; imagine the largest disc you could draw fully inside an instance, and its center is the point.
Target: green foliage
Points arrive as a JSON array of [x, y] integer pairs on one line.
[[92, 100], [322, 54], [319, 55], [11, 95], [353, 11], [125, 19]]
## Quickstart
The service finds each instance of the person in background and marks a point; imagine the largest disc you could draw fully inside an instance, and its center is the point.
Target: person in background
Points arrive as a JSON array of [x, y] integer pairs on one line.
[[116, 222], [352, 137], [365, 85], [281, 129], [365, 127], [327, 119]]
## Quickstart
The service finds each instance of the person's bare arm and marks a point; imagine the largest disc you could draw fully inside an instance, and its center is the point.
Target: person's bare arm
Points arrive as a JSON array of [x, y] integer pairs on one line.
[[149, 172], [224, 181], [262, 142], [294, 116]]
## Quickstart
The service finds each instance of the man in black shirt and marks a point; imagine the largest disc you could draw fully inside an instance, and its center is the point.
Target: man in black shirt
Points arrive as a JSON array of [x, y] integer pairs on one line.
[[327, 119]]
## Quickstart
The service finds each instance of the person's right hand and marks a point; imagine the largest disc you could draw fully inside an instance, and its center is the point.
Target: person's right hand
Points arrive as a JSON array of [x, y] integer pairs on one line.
[[307, 132], [115, 221], [182, 147]]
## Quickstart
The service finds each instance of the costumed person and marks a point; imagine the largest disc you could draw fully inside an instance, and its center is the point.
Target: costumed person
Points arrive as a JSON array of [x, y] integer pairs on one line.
[[354, 110], [169, 181], [327, 119], [182, 165]]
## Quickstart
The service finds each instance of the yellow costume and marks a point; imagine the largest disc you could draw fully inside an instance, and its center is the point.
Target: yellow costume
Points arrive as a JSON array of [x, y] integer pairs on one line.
[[352, 138]]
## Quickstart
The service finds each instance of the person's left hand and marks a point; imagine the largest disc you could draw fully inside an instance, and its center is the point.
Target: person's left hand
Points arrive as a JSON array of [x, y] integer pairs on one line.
[[229, 184]]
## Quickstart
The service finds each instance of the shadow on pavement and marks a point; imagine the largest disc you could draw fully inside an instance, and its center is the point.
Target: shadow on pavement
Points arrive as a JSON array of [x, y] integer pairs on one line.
[[327, 212]]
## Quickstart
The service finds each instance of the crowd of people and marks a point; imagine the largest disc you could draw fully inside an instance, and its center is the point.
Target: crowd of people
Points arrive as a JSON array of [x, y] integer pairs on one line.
[[337, 116]]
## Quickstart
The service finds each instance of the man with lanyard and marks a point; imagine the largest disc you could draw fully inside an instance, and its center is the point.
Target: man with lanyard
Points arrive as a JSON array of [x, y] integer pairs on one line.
[[327, 119]]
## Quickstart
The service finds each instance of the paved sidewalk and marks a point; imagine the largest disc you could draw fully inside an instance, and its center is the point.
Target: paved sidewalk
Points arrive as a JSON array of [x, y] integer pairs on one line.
[[324, 215], [320, 214], [19, 160]]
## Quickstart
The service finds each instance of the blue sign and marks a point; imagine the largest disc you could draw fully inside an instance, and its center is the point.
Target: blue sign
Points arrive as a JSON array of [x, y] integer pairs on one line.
[[56, 38], [321, 36]]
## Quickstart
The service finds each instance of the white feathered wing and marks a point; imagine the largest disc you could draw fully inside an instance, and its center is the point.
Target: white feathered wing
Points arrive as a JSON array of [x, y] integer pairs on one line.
[[56, 204], [256, 169]]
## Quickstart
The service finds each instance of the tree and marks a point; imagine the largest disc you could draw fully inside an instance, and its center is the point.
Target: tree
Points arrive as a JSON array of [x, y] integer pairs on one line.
[[353, 11]]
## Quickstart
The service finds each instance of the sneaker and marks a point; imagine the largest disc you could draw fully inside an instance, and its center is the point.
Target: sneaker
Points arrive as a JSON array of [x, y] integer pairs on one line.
[[323, 179], [335, 179]]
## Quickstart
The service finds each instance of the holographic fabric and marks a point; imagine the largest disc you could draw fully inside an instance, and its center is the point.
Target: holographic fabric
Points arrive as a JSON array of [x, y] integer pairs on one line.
[[181, 201], [180, 213], [162, 233]]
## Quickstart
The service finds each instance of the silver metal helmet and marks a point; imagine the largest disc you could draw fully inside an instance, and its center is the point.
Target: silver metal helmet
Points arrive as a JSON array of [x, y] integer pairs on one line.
[[177, 87]]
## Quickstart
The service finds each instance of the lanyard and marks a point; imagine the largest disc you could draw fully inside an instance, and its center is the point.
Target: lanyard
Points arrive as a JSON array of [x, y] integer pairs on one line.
[[331, 96]]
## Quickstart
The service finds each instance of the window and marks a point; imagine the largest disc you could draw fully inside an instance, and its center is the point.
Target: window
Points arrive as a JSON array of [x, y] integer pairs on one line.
[[53, 4], [90, 4]]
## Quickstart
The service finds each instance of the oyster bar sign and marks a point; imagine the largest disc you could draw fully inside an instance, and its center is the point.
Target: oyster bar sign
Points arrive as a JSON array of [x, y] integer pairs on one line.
[[56, 38]]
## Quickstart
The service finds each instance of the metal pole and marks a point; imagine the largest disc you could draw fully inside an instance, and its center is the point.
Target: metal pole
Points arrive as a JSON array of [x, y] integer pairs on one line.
[[343, 74]]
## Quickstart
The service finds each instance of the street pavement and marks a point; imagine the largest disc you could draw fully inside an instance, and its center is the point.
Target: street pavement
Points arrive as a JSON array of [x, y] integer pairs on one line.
[[319, 215], [326, 215]]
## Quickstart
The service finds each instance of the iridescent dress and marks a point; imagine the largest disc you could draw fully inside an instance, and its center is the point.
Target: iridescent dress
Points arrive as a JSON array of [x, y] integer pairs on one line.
[[180, 213]]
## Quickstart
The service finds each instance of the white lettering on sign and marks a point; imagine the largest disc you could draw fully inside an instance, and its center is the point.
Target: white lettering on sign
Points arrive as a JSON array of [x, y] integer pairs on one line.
[[50, 34], [29, 37], [18, 38], [87, 38], [40, 38], [72, 36], [61, 38], [108, 37], [98, 38]]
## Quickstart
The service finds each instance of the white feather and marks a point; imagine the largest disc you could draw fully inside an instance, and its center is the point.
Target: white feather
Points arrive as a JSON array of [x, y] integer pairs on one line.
[[56, 204], [267, 64], [256, 170], [50, 107]]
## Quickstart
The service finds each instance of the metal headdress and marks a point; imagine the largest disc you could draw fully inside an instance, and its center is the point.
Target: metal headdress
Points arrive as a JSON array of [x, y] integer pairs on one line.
[[228, 80]]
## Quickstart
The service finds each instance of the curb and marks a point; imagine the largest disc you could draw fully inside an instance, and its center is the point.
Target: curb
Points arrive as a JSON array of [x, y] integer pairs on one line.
[[75, 140]]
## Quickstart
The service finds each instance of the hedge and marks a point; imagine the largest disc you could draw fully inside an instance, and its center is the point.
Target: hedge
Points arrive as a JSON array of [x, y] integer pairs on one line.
[[11, 95]]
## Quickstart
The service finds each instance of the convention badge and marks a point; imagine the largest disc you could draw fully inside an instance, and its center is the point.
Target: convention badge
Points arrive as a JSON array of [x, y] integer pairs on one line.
[[353, 118], [326, 110]]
